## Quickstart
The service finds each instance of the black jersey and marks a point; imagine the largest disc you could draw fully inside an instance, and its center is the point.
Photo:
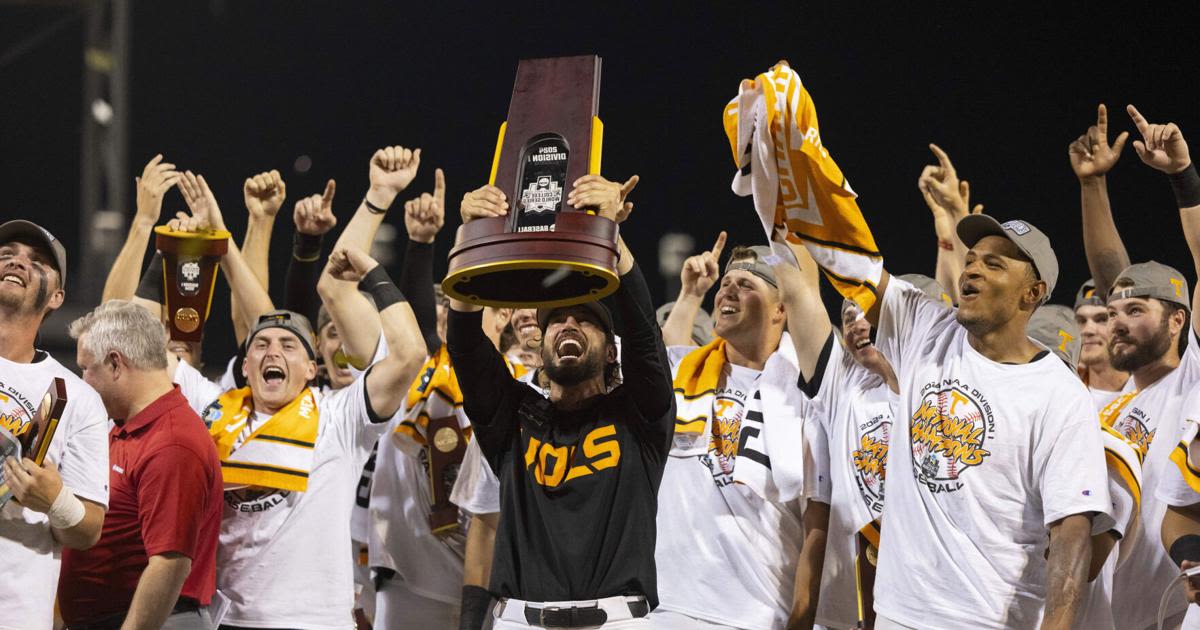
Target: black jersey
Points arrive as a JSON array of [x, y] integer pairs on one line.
[[579, 488]]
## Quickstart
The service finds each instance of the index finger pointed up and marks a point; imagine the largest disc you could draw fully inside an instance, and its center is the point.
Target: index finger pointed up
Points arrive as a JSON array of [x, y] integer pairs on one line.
[[330, 189], [943, 159], [1102, 120], [719, 246], [439, 187], [629, 185], [1139, 121]]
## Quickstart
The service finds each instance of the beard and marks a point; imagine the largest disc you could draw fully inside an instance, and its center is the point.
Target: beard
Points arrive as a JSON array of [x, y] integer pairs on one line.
[[590, 366], [1144, 352]]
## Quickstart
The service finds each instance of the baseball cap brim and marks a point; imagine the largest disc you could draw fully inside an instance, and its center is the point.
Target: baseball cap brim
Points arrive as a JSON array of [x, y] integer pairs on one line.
[[17, 228], [974, 227], [597, 309]]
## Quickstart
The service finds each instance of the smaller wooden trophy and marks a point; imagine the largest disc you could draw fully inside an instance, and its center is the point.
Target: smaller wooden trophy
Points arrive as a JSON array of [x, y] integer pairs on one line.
[[190, 262], [447, 446], [32, 439]]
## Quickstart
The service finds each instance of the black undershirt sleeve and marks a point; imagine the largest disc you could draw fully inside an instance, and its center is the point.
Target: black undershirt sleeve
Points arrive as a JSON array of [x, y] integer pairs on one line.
[[645, 371], [416, 283], [304, 269], [811, 386], [490, 393]]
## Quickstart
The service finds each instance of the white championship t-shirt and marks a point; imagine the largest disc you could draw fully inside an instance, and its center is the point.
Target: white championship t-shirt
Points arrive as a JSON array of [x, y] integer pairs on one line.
[[1153, 420], [1172, 489], [1101, 397], [282, 555], [29, 555], [983, 458], [855, 406], [724, 553]]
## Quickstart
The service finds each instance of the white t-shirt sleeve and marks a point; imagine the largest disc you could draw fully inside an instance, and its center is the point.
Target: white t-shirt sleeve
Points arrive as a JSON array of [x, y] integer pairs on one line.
[[1069, 467], [84, 459], [1172, 488], [199, 391], [227, 380], [477, 489], [350, 420], [817, 480], [906, 318]]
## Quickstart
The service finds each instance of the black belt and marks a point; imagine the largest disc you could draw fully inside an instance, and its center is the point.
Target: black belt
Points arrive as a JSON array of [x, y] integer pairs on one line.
[[578, 616], [183, 605], [186, 604]]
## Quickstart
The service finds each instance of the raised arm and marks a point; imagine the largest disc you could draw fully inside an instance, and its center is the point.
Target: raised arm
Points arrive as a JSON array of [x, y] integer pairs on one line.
[[1091, 159], [263, 194], [423, 218], [949, 199], [157, 178], [807, 322], [697, 276], [241, 279], [1164, 148], [1067, 564], [645, 370], [313, 217], [387, 382], [391, 170]]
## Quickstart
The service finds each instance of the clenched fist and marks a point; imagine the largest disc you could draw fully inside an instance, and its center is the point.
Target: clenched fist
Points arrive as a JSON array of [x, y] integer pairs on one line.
[[264, 194], [350, 264], [392, 170]]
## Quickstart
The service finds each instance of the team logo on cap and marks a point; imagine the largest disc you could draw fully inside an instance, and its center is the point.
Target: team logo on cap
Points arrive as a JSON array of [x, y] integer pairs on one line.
[[1020, 227], [949, 434]]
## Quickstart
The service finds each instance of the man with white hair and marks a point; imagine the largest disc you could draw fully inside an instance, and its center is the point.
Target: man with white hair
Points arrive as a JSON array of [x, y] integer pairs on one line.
[[60, 503], [155, 564]]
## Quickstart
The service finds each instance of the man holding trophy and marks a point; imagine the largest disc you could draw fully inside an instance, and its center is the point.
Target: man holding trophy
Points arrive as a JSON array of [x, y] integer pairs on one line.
[[580, 468], [61, 502]]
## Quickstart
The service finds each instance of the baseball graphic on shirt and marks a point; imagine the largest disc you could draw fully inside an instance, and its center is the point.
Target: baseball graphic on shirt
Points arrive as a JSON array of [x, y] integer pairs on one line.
[[14, 411], [870, 459], [949, 432], [1133, 426]]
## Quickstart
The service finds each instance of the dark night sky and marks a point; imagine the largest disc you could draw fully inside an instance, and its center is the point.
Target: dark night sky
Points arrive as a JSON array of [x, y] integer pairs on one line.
[[232, 88]]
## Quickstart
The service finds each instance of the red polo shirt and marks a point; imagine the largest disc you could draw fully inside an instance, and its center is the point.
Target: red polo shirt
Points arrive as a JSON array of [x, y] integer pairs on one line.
[[165, 496]]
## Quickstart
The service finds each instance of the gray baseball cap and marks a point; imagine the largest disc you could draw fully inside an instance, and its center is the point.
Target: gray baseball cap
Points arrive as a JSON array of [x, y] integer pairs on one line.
[[598, 309], [1087, 295], [1053, 326], [1030, 240], [13, 230], [290, 321], [701, 328], [1151, 280], [928, 286], [756, 266]]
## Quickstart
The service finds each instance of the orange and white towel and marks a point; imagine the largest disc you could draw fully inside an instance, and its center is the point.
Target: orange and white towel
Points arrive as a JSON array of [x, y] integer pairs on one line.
[[799, 192]]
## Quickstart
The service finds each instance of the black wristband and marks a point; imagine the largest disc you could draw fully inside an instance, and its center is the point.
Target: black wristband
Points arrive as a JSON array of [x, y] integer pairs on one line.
[[1186, 184], [307, 247], [475, 602], [381, 288], [374, 208], [1185, 548], [151, 285]]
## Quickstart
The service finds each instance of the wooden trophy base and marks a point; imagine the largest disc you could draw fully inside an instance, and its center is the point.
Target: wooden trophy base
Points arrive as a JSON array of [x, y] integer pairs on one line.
[[575, 263], [544, 253]]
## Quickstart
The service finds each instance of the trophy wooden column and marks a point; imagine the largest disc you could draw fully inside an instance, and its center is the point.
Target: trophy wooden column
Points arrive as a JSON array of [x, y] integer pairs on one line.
[[544, 253], [190, 262]]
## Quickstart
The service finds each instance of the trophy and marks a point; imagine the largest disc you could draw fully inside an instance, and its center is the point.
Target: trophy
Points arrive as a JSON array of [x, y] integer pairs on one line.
[[447, 446], [544, 253], [32, 439], [189, 273]]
